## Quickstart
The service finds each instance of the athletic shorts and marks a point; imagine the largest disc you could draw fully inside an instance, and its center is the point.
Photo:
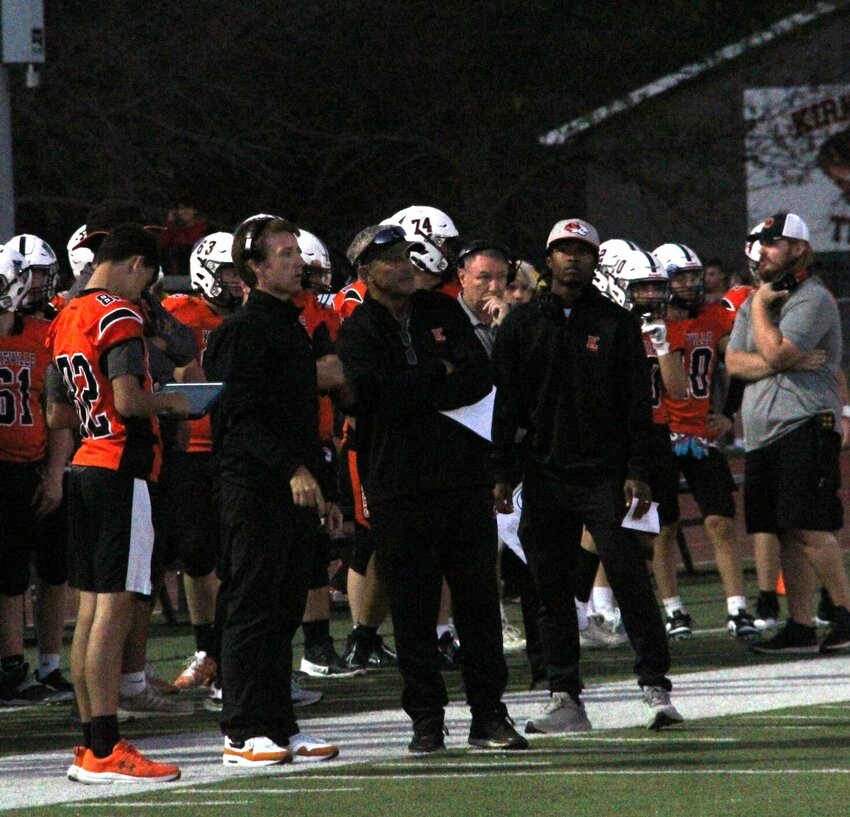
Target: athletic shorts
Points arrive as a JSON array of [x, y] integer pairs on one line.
[[110, 524], [187, 518], [664, 476], [711, 482], [23, 534], [792, 483]]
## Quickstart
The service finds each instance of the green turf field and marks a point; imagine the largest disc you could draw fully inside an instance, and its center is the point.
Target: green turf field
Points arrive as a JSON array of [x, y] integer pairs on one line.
[[790, 761]]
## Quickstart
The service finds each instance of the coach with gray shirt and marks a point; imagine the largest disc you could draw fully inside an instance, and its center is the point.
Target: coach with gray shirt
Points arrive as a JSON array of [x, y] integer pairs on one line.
[[786, 346]]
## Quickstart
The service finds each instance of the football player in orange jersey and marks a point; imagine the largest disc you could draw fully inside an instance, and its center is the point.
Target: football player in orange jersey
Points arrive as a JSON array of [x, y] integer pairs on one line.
[[32, 462], [702, 332], [102, 385], [187, 479]]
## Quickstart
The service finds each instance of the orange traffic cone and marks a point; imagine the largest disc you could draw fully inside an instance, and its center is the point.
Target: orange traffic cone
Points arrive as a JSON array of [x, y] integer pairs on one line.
[[780, 585]]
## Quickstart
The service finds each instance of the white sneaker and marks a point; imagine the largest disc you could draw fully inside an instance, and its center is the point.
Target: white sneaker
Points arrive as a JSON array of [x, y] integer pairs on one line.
[[305, 747], [599, 634], [661, 710], [304, 697], [561, 714], [149, 703], [512, 640], [213, 702], [260, 751]]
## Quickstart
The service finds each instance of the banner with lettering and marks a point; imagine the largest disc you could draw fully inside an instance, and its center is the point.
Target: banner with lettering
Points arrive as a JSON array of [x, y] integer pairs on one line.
[[798, 159]]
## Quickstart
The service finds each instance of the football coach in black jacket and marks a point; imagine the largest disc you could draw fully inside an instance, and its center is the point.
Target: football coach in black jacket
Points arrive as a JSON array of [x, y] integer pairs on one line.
[[408, 354], [269, 465], [570, 369]]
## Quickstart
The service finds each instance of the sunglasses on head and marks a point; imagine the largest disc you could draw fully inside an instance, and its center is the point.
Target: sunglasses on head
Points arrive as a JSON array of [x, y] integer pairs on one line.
[[391, 234]]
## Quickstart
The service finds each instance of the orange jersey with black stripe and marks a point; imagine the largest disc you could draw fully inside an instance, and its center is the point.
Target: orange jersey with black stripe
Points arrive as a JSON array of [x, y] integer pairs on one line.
[[697, 338], [313, 315], [202, 319], [349, 298], [89, 326], [24, 359]]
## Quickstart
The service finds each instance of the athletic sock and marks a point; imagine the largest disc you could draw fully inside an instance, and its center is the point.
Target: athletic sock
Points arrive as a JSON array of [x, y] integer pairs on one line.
[[316, 632], [364, 635], [581, 614], [673, 604], [205, 638], [734, 604], [442, 629], [87, 734], [104, 735], [47, 663], [132, 683], [602, 600]]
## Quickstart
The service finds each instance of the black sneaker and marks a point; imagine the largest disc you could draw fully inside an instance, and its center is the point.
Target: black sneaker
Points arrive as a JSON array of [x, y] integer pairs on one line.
[[382, 656], [742, 626], [322, 661], [826, 609], [838, 637], [451, 653], [62, 688], [793, 638], [496, 732], [19, 688], [355, 655], [679, 625], [767, 611], [428, 737]]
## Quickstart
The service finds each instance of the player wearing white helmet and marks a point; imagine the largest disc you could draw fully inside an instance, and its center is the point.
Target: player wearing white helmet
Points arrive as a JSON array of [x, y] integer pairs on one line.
[[14, 279], [643, 282], [32, 462], [436, 264], [78, 257], [701, 331], [212, 273], [43, 267], [687, 282], [192, 527], [317, 261], [610, 252]]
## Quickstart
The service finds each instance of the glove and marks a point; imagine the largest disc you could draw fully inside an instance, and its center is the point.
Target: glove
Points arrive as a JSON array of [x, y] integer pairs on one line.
[[657, 331]]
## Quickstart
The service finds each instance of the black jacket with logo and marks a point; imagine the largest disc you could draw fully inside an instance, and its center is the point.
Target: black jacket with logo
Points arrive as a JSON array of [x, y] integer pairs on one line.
[[405, 447], [580, 385]]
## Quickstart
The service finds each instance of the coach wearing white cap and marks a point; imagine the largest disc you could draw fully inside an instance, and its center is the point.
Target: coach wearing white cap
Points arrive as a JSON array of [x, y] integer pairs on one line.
[[570, 369], [786, 345]]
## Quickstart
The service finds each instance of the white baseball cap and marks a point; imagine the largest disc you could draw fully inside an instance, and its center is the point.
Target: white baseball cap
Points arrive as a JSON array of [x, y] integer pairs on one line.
[[575, 228], [781, 225]]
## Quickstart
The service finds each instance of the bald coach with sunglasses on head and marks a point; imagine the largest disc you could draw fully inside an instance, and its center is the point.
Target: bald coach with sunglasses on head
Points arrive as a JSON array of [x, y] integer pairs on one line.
[[409, 354]]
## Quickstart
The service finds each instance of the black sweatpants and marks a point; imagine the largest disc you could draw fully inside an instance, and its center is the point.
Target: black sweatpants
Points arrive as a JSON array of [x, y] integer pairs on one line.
[[553, 514], [417, 542], [265, 569]]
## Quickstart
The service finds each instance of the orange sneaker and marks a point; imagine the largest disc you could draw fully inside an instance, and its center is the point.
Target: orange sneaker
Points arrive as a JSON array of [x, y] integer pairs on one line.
[[74, 768], [199, 672], [124, 765], [159, 684]]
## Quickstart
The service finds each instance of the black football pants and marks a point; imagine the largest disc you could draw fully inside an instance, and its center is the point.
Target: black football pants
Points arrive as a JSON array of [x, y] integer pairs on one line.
[[418, 541], [553, 514]]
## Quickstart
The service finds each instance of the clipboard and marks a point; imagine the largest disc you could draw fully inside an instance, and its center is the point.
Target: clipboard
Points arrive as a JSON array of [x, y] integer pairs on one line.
[[202, 396]]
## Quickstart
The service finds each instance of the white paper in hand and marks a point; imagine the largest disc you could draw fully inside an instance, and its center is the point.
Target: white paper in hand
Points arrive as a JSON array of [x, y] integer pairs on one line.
[[508, 524], [648, 523]]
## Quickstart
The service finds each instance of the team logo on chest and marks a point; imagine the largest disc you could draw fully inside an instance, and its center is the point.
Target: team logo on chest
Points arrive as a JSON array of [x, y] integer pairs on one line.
[[592, 343], [438, 334]]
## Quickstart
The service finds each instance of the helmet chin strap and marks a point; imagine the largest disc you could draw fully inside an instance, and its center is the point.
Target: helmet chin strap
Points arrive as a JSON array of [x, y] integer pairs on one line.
[[308, 283]]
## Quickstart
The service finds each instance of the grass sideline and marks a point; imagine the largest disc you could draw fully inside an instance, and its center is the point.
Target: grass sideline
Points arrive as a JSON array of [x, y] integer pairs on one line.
[[794, 761]]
